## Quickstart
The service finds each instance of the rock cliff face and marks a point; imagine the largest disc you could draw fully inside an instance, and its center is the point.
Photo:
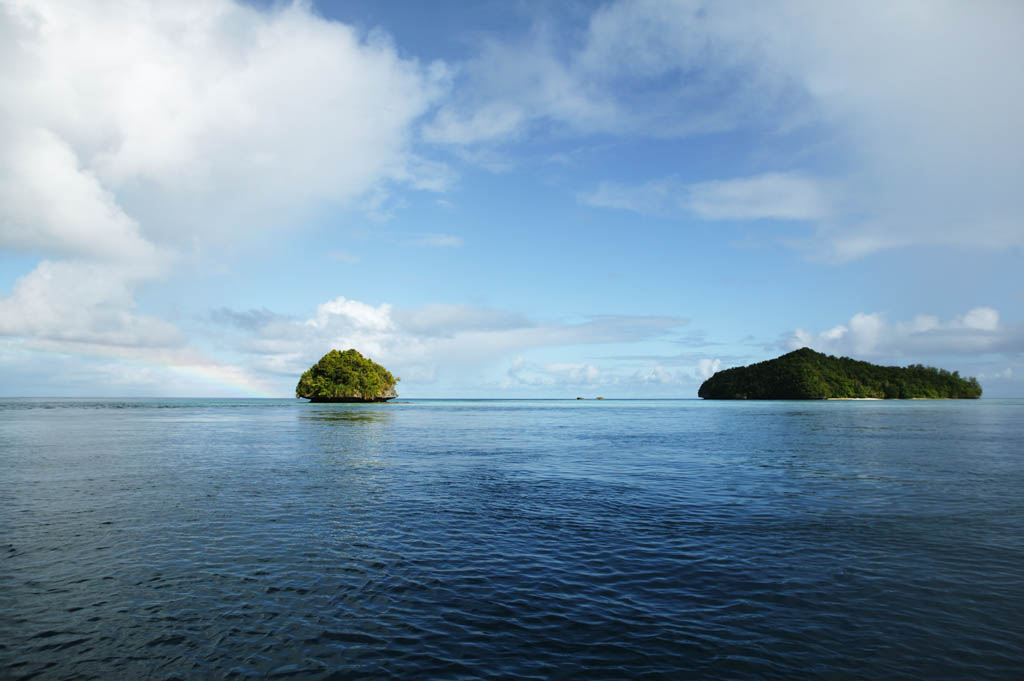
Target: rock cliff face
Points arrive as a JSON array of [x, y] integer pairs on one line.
[[346, 377], [389, 394]]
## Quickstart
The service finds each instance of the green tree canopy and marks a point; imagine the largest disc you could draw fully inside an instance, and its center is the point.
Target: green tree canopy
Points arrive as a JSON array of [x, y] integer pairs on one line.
[[808, 375], [346, 377]]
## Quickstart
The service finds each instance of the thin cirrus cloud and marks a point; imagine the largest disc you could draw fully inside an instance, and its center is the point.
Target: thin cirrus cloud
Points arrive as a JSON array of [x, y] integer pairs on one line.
[[917, 102], [435, 240], [777, 196], [654, 69]]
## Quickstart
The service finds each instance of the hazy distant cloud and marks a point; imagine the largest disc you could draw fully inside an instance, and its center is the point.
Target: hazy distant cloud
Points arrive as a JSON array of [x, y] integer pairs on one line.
[[419, 341], [124, 371], [557, 376], [977, 331], [652, 380]]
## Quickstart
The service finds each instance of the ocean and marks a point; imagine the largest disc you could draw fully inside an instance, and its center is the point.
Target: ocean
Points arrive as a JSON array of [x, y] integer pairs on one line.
[[550, 539]]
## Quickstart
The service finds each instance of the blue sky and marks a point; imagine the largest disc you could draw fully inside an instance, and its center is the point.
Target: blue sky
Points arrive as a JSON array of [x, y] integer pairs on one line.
[[505, 199]]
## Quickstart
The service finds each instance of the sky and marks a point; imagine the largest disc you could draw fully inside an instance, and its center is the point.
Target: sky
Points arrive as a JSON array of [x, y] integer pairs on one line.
[[505, 199]]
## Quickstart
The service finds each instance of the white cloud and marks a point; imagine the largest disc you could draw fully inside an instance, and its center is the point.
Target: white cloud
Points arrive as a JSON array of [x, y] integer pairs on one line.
[[49, 204], [554, 379], [658, 375], [355, 314], [133, 133], [576, 373], [490, 122], [82, 302], [558, 376], [981, 318], [422, 341], [200, 115], [706, 368], [917, 103], [635, 68], [872, 335]]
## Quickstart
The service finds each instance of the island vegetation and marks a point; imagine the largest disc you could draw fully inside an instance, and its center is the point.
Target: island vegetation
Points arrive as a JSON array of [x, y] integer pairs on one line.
[[808, 375], [346, 377]]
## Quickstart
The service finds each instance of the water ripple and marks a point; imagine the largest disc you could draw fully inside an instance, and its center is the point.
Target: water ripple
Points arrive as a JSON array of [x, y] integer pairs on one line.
[[445, 540]]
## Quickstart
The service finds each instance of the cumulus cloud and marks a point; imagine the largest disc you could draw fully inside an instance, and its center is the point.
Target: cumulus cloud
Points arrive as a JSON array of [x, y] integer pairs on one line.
[[200, 115], [979, 330], [50, 204], [82, 302], [706, 368], [135, 134]]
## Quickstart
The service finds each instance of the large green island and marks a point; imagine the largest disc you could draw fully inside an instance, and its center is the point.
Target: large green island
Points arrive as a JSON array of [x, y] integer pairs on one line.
[[808, 375], [346, 377]]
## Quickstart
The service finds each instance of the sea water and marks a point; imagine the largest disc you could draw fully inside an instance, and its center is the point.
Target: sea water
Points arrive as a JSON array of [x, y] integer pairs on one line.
[[202, 539]]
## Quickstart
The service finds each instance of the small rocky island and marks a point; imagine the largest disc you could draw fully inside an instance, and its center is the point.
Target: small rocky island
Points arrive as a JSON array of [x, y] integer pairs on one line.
[[808, 375], [346, 377]]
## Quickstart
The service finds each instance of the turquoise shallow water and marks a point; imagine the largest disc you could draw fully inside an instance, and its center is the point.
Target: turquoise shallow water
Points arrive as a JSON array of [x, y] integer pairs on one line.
[[194, 539]]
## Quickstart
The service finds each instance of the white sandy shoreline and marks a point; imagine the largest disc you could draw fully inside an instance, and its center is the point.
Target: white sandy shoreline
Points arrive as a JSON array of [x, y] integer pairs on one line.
[[847, 399]]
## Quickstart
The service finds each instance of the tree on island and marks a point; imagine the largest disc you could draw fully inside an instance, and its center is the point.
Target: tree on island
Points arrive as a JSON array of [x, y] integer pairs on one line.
[[808, 375], [346, 377]]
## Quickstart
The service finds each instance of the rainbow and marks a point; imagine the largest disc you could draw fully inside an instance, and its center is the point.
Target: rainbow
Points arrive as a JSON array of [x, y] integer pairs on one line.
[[228, 376], [186, 364]]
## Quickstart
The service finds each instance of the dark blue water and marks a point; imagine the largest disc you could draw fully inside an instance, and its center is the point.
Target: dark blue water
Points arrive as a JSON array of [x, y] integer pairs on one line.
[[478, 539]]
